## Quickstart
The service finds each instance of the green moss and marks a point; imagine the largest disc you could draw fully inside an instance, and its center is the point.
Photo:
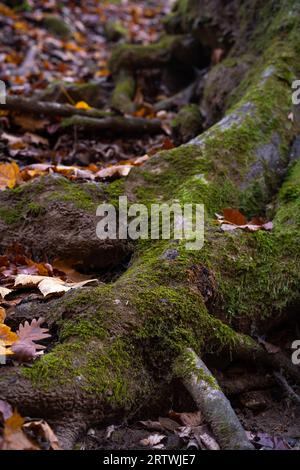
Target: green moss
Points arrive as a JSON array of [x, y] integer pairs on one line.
[[185, 365], [123, 94], [129, 56], [68, 191], [83, 329]]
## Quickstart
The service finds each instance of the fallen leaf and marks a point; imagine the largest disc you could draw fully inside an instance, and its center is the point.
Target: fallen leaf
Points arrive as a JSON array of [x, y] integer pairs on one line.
[[204, 436], [5, 410], [152, 440], [234, 216], [4, 292], [82, 105], [50, 285], [152, 425], [14, 437], [9, 175], [42, 432], [2, 314], [7, 337], [115, 170], [187, 419], [25, 349], [168, 424]]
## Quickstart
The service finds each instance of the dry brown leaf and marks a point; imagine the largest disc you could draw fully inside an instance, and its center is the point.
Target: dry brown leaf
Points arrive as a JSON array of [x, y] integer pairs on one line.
[[14, 437], [28, 280], [116, 170], [234, 216], [2, 315], [152, 425], [168, 424], [42, 431], [203, 436], [66, 269], [4, 292], [152, 440], [25, 349], [187, 419], [5, 410]]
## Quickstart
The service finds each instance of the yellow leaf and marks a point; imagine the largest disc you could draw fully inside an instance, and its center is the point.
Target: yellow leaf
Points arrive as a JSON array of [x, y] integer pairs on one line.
[[14, 423], [7, 337], [82, 105], [2, 314], [9, 175], [5, 351]]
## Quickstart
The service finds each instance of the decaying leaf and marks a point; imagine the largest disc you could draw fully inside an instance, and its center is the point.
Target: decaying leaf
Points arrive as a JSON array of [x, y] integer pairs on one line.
[[14, 437], [205, 438], [4, 292], [7, 337], [6, 410], [50, 285], [153, 440], [2, 315], [25, 349], [232, 219], [115, 170], [187, 419], [43, 434], [9, 175]]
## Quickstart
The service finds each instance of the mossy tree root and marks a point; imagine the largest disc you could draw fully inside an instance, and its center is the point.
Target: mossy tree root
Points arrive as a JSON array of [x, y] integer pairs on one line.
[[32, 106], [212, 402], [135, 56], [124, 92], [120, 124], [116, 343]]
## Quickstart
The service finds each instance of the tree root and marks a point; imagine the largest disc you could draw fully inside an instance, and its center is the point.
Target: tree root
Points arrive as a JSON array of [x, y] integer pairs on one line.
[[246, 383], [286, 387], [249, 350], [212, 402], [127, 125], [124, 91], [29, 105]]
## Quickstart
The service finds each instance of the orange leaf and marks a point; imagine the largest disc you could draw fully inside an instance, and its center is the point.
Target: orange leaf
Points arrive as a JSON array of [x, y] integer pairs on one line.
[[234, 216], [9, 175], [82, 105], [7, 337]]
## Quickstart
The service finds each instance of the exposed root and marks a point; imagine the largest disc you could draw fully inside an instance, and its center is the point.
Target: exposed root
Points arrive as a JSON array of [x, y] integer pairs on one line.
[[124, 91], [246, 383], [29, 105], [212, 402], [250, 351], [286, 387], [127, 125]]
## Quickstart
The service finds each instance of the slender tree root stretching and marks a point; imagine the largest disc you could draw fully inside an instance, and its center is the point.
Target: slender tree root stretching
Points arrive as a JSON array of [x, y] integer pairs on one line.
[[29, 105], [127, 125], [115, 344], [212, 402]]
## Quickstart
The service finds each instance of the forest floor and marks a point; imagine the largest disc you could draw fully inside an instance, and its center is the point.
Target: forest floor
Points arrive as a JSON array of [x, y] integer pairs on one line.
[[34, 56]]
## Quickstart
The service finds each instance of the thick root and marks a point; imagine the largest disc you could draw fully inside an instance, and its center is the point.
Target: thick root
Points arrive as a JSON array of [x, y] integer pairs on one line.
[[212, 402]]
